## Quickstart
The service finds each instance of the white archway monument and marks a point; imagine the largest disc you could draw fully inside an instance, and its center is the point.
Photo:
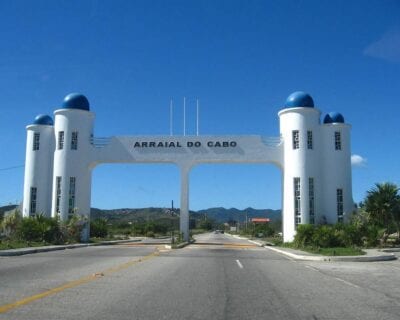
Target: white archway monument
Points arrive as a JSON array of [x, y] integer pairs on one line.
[[186, 152], [313, 156]]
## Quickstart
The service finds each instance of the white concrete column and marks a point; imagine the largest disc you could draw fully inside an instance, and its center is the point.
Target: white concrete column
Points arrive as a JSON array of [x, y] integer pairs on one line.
[[184, 210]]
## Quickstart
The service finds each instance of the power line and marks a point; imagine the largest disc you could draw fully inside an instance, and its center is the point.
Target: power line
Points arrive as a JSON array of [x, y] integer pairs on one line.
[[11, 168]]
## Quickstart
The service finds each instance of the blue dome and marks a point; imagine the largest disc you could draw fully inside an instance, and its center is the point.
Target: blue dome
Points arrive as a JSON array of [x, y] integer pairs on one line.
[[43, 119], [76, 101], [299, 99], [334, 117]]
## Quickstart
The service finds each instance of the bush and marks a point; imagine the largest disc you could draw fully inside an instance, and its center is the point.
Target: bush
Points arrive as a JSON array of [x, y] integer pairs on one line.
[[325, 237], [39, 229], [72, 230], [349, 235], [150, 234], [10, 224], [304, 236], [99, 228], [30, 230]]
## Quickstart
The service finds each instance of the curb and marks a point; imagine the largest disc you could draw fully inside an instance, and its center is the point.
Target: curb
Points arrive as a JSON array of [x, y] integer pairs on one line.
[[257, 243], [384, 257], [23, 251], [390, 250], [300, 257], [179, 246]]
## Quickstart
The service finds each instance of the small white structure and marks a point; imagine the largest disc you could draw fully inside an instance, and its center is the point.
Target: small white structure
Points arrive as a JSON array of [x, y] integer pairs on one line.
[[314, 158]]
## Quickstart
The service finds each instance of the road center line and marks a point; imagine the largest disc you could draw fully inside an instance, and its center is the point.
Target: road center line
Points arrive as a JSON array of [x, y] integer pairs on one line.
[[239, 264], [75, 283]]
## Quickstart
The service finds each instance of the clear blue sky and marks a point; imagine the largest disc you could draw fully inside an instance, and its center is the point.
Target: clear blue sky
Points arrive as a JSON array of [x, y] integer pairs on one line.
[[240, 58]]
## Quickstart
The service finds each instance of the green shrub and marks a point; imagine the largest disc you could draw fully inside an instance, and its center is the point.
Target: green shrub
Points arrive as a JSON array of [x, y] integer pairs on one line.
[[304, 236], [39, 228], [72, 230], [349, 235], [325, 237], [30, 230], [11, 223], [150, 234], [99, 228]]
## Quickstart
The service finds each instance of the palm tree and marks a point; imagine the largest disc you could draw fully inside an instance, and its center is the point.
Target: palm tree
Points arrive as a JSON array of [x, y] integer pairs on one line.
[[383, 203]]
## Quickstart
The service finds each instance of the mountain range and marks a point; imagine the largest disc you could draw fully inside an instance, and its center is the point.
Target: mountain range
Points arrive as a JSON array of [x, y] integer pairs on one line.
[[218, 214]]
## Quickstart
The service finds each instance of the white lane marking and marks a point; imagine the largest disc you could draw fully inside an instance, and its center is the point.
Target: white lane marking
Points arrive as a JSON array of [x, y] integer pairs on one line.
[[312, 268], [348, 283], [339, 279], [239, 264]]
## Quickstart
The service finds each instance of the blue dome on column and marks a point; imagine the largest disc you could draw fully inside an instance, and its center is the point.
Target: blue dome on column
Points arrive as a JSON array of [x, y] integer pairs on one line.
[[299, 99], [76, 101], [43, 119], [334, 117]]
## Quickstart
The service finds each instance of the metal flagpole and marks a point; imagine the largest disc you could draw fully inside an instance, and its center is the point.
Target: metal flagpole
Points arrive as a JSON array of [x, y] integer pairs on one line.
[[197, 117], [170, 118], [184, 116]]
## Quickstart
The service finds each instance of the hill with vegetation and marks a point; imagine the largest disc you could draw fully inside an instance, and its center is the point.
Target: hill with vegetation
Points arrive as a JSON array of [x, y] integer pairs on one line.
[[219, 215], [222, 215]]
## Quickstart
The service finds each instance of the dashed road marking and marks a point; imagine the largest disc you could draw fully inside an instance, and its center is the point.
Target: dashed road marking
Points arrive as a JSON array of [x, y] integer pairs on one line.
[[347, 282], [239, 264], [339, 279]]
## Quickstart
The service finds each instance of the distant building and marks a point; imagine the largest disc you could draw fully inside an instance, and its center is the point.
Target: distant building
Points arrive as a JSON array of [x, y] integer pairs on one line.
[[260, 220]]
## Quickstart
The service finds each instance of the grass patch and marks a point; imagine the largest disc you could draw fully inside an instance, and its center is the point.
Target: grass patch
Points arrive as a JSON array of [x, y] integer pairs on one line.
[[17, 244], [339, 251], [109, 238]]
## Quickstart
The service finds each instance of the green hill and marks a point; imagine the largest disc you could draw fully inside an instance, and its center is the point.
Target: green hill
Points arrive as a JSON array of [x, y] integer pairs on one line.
[[220, 215]]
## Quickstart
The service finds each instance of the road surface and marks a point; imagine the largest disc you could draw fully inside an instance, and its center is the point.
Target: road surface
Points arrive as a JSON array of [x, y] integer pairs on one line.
[[219, 277]]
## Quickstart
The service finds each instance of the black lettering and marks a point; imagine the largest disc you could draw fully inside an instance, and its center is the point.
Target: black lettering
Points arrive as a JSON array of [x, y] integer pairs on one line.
[[160, 145], [233, 144], [189, 144], [217, 144], [144, 144], [137, 145], [178, 144], [171, 144], [225, 144], [197, 144], [152, 144], [210, 144]]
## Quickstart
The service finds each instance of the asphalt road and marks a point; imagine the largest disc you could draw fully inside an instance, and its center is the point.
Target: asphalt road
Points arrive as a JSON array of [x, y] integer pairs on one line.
[[219, 277]]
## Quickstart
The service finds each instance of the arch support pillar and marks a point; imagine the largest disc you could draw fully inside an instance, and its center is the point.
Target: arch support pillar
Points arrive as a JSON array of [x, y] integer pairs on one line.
[[184, 207]]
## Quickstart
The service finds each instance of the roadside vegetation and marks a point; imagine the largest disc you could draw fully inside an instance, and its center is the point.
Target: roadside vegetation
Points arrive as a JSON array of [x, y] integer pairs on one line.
[[268, 232], [38, 230], [375, 224], [17, 231]]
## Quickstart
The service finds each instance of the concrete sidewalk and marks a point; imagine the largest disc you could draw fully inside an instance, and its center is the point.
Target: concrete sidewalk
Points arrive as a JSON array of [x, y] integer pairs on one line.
[[370, 256], [30, 250]]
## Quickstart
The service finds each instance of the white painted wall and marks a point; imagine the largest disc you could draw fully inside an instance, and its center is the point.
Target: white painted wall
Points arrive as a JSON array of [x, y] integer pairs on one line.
[[73, 163], [39, 169], [302, 163], [337, 171]]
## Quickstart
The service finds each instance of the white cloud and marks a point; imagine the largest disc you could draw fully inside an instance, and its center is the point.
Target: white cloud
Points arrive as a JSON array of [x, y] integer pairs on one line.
[[387, 47], [358, 161]]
